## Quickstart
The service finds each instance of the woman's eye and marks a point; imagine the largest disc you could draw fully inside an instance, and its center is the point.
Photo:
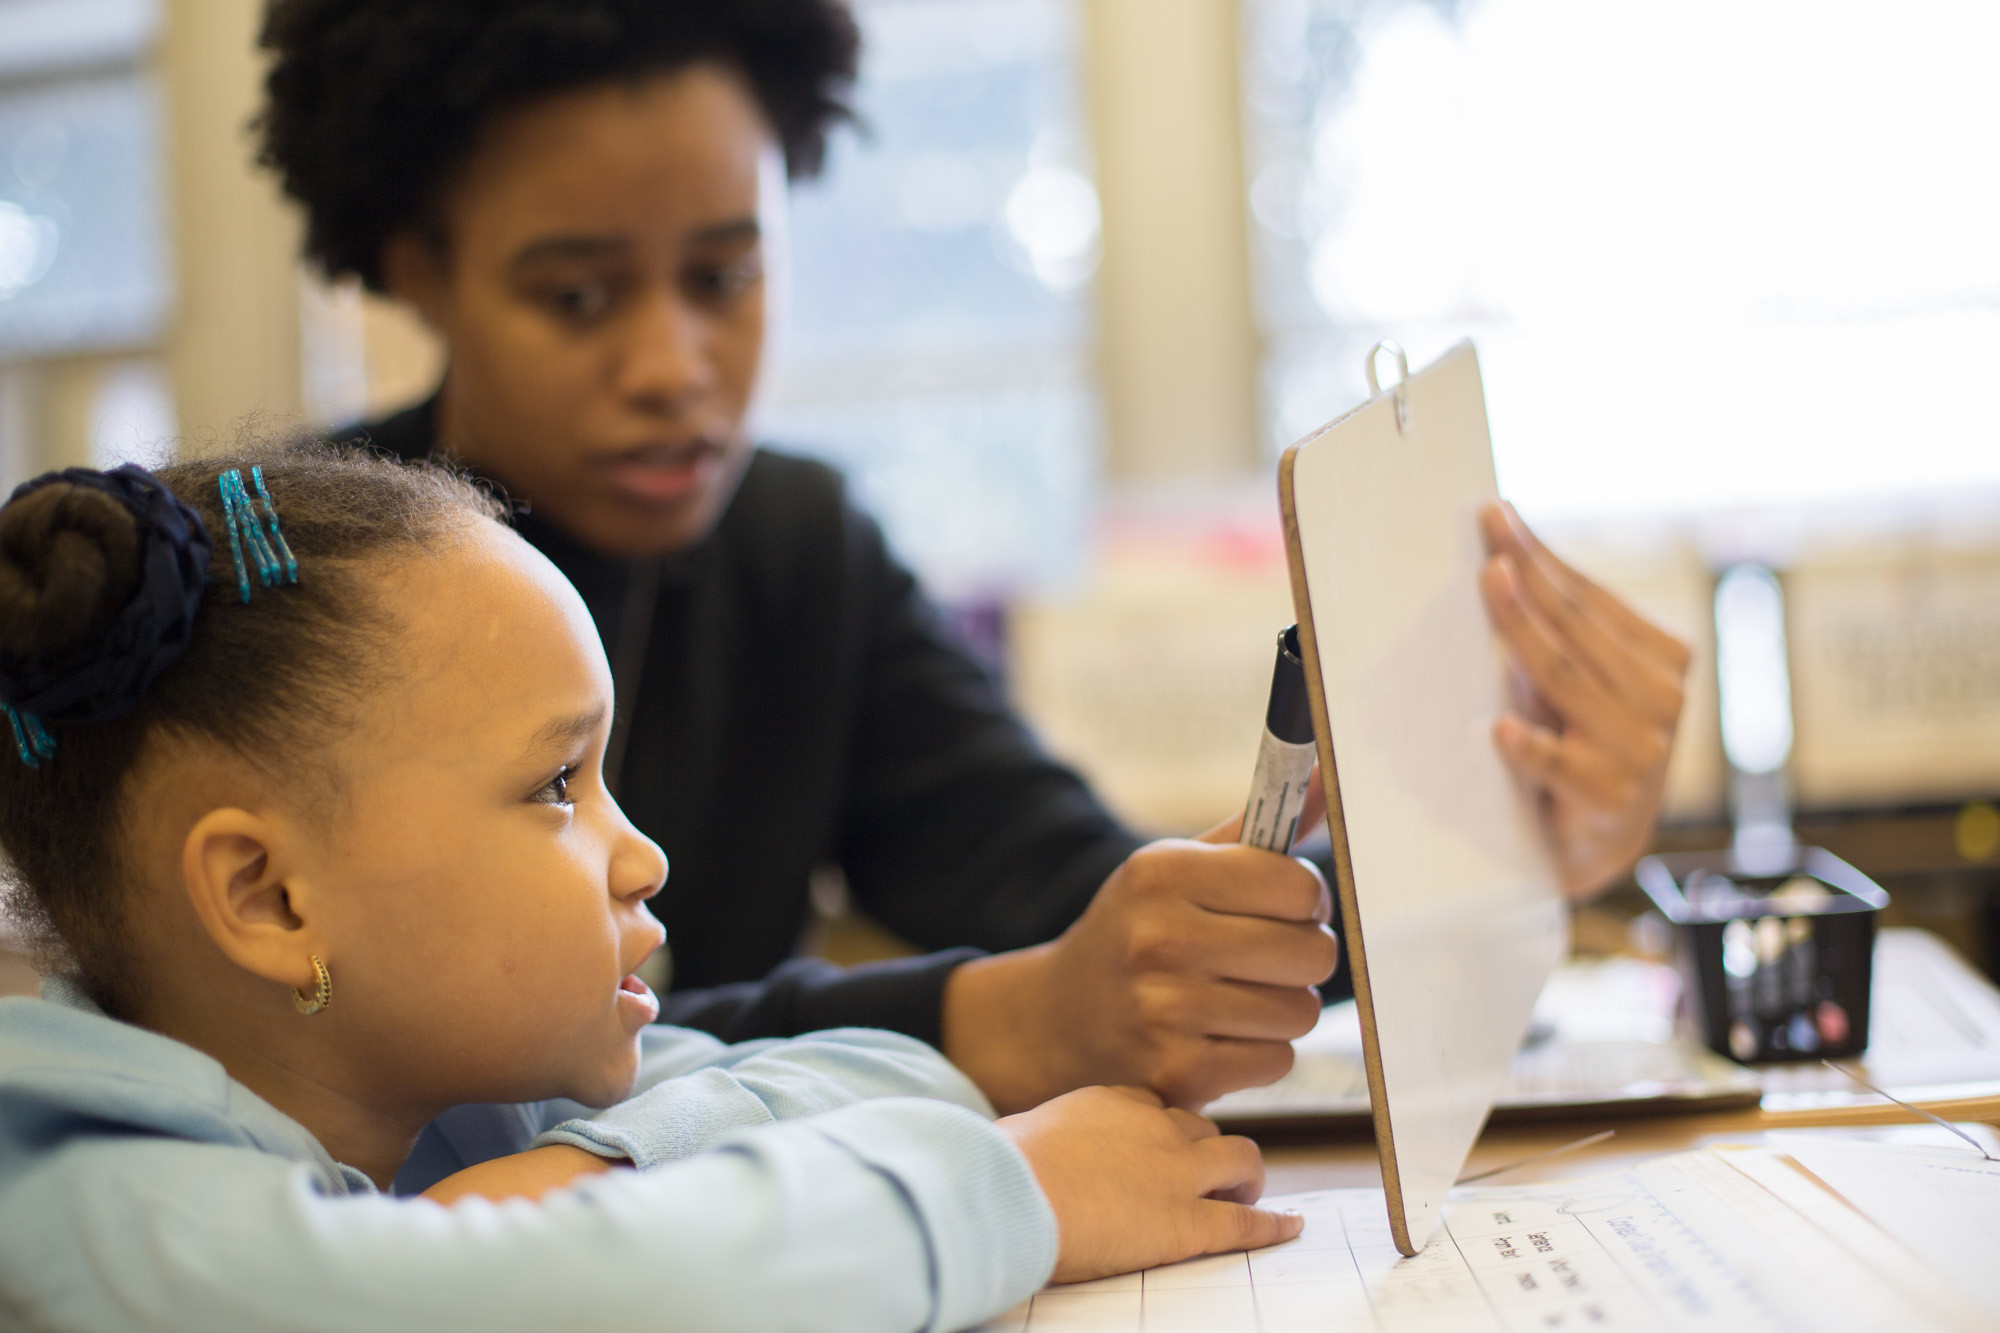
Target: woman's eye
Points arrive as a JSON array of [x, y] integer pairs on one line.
[[556, 790], [723, 281], [582, 302]]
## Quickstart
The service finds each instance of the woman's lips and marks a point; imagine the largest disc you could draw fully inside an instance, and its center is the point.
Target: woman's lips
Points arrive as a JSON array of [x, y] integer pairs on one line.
[[664, 474], [637, 1001]]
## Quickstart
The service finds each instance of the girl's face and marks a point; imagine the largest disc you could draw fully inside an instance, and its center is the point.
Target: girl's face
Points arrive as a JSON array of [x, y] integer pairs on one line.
[[480, 896], [600, 289]]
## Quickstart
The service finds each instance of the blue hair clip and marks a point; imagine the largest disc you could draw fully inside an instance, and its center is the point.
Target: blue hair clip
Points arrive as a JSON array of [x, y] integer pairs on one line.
[[247, 528], [31, 738], [277, 534]]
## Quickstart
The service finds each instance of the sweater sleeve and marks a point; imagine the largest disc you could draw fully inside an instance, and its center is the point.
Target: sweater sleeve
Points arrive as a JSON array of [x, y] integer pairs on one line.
[[959, 828], [690, 1091], [952, 825], [758, 1083], [807, 994], [891, 1214]]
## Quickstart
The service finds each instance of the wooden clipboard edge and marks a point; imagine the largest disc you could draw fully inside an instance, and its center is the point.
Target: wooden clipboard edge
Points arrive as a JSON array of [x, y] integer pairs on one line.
[[1290, 1127], [1336, 827]]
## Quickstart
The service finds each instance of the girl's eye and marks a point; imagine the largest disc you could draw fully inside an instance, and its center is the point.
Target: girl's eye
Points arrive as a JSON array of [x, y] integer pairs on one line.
[[556, 790]]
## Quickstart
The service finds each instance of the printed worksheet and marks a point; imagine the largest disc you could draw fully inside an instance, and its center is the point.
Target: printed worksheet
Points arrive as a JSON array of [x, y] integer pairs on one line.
[[1680, 1243], [1943, 1203]]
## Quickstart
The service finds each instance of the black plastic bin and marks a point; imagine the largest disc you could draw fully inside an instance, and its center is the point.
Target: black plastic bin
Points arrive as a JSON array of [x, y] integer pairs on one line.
[[1775, 964]]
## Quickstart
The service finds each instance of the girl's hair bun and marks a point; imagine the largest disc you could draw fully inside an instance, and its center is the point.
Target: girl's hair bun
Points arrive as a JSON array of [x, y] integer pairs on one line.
[[101, 574], [69, 559], [107, 638]]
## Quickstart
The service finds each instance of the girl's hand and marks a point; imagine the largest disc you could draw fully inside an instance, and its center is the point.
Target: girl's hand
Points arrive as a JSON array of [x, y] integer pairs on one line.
[[1134, 1183], [522, 1175]]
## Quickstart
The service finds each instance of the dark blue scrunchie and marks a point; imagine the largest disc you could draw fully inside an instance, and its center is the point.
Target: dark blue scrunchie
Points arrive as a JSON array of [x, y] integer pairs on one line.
[[103, 679]]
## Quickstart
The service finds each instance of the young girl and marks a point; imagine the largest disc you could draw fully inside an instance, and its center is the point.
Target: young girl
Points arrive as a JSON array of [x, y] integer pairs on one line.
[[306, 791]]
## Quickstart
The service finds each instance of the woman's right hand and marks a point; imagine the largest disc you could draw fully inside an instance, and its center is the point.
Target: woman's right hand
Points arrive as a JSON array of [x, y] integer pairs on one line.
[[1135, 1183]]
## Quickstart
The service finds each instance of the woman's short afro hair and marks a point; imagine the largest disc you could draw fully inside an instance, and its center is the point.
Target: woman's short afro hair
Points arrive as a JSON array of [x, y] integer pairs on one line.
[[372, 104]]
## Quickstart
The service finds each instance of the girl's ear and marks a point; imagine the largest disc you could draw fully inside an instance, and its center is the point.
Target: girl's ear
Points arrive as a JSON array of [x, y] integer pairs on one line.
[[240, 878]]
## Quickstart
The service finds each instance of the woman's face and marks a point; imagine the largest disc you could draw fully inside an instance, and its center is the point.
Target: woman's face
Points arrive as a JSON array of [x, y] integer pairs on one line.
[[600, 289]]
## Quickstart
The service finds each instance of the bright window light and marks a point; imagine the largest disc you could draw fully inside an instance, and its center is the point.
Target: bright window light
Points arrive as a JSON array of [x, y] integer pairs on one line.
[[937, 344], [1717, 254]]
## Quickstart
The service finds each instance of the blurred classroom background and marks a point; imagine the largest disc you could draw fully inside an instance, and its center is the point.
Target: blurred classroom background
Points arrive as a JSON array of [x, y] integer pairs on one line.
[[1731, 266]]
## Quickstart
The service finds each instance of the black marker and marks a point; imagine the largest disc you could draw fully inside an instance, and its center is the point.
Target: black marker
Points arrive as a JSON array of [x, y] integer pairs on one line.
[[1284, 757]]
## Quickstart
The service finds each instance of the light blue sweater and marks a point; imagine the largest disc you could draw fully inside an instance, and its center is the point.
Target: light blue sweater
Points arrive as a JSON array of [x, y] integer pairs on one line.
[[847, 1180]]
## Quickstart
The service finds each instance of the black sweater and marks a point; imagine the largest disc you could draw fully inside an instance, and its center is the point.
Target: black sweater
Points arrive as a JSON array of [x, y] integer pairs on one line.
[[801, 705]]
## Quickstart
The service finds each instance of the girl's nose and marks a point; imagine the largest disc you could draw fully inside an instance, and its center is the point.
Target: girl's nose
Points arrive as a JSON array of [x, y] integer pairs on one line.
[[638, 866]]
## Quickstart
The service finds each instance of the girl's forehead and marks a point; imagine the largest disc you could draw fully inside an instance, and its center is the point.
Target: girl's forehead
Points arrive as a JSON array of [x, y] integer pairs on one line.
[[486, 655], [488, 616]]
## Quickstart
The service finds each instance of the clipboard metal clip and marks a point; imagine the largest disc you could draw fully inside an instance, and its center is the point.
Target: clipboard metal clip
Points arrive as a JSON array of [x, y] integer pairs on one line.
[[1401, 391]]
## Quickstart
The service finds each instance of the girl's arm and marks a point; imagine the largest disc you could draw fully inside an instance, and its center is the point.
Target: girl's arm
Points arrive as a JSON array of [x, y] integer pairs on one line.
[[691, 1090], [522, 1175], [813, 1072], [896, 1214], [769, 1082]]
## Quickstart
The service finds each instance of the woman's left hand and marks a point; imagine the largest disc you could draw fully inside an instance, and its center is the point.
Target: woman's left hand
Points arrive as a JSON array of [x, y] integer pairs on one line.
[[1598, 695]]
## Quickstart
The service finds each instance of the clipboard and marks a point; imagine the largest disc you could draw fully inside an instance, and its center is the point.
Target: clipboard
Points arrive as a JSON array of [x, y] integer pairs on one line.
[[1452, 909]]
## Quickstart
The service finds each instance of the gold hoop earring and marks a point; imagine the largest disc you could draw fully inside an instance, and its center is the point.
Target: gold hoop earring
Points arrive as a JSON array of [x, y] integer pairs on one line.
[[321, 998]]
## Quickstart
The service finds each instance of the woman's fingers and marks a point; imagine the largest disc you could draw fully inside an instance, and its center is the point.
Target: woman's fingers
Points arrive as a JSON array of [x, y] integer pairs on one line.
[[1599, 807], [1604, 697], [1643, 633], [1562, 764], [1252, 1011], [1623, 669], [1558, 605], [1575, 692], [1506, 533]]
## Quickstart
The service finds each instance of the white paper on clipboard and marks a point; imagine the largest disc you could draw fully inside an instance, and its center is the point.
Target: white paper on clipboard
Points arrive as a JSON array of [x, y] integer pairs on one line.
[[1450, 901]]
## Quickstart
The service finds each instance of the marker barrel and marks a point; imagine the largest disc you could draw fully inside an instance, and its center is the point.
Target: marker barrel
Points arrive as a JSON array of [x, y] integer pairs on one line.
[[1284, 756]]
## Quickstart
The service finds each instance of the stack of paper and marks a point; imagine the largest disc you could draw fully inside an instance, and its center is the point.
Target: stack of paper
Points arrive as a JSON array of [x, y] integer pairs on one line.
[[1607, 1040], [1828, 1236]]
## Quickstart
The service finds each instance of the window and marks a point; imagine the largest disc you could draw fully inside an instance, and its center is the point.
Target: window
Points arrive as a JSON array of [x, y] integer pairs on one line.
[[1716, 254], [938, 335], [85, 282], [83, 253]]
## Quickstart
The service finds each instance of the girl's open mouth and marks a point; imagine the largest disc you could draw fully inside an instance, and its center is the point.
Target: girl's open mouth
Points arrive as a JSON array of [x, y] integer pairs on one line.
[[637, 1001]]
